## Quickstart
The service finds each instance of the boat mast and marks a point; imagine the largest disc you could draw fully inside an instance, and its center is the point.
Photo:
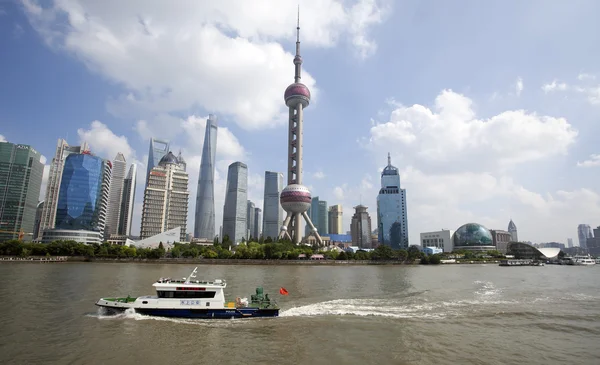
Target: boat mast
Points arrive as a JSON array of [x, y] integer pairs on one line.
[[192, 275]]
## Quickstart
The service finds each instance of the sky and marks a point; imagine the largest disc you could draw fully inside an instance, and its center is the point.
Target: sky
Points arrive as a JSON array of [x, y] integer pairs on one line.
[[489, 109]]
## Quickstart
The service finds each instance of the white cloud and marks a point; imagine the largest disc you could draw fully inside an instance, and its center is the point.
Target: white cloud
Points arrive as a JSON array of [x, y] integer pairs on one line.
[[43, 159], [594, 160], [173, 57], [451, 132], [2, 138], [519, 86], [554, 86], [338, 193], [319, 175], [586, 76], [104, 143]]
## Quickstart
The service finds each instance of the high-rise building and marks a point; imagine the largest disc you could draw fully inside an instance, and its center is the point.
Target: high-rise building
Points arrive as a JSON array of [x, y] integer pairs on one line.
[[250, 219], [165, 198], [204, 221], [53, 185], [512, 229], [295, 198], [360, 228], [115, 195], [236, 202], [257, 222], [272, 210], [38, 218], [584, 231], [323, 222], [82, 200], [392, 222], [501, 239], [569, 242], [335, 219], [20, 183], [158, 149], [128, 201]]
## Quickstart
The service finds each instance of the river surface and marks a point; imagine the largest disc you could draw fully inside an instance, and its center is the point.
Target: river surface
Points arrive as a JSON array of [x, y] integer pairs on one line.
[[457, 314]]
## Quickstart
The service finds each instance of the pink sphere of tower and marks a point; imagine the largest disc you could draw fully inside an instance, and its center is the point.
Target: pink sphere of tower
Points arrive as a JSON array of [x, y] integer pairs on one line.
[[297, 93], [295, 198]]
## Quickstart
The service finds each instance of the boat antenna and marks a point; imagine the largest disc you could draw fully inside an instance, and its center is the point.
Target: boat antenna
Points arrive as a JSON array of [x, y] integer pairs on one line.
[[192, 275]]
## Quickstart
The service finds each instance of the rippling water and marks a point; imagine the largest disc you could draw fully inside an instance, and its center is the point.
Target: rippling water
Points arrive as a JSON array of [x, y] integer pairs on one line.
[[462, 314]]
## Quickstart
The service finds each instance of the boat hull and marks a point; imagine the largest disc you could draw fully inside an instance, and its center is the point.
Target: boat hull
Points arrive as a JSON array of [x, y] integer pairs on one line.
[[225, 313]]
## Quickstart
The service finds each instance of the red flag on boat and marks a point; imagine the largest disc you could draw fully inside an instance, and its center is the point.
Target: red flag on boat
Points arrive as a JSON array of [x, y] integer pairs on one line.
[[282, 291]]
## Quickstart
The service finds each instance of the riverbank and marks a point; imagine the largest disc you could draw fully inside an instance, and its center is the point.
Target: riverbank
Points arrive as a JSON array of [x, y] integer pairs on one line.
[[202, 261]]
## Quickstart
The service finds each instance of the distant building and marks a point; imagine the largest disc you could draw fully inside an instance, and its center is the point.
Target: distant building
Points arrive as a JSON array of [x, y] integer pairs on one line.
[[319, 215], [38, 218], [569, 242], [584, 231], [257, 223], [127, 201], [236, 202], [204, 220], [335, 219], [158, 149], [361, 227], [250, 215], [431, 250], [53, 184], [473, 237], [501, 239], [272, 210], [115, 195], [593, 244], [512, 230], [440, 239], [20, 183], [82, 200], [165, 199], [392, 221]]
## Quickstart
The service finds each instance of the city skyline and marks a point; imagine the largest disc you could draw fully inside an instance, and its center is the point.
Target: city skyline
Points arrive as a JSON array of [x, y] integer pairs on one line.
[[493, 170]]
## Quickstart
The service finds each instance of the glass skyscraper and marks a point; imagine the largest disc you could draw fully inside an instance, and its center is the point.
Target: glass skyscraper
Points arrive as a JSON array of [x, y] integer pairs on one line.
[[392, 223], [236, 203], [272, 210], [204, 220], [20, 182], [128, 201], [115, 195], [158, 148]]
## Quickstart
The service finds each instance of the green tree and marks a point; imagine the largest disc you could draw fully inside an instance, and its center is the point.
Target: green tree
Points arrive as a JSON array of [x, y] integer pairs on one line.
[[342, 256], [435, 259], [383, 252]]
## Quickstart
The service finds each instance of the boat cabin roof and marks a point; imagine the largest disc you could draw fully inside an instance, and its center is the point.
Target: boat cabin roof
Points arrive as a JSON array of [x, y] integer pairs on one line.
[[184, 284]]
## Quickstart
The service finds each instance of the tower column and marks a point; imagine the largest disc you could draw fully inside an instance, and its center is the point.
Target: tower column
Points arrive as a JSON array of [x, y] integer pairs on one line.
[[299, 118]]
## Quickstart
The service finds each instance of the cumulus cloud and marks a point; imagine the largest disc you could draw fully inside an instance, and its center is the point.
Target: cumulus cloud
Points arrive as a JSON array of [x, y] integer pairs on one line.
[[554, 86], [451, 132], [594, 160], [585, 86], [2, 138], [319, 175], [104, 143], [173, 57]]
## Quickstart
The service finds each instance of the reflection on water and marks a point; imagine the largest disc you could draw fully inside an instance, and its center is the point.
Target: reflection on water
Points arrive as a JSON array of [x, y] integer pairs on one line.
[[468, 314]]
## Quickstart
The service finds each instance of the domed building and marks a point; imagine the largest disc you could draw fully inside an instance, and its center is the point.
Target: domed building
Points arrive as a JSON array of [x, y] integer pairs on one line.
[[474, 237]]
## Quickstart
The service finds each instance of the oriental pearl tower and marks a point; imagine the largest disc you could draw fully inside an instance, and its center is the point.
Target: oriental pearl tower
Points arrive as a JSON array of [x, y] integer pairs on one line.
[[295, 198]]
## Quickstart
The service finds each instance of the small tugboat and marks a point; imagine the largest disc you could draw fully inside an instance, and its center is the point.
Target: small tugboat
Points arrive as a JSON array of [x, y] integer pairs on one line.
[[189, 298]]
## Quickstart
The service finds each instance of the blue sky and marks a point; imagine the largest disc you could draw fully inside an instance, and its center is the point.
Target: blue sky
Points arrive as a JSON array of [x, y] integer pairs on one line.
[[489, 109]]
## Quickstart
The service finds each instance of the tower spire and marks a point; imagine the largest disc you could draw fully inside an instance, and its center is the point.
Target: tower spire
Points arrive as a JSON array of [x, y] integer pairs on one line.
[[389, 160], [298, 58]]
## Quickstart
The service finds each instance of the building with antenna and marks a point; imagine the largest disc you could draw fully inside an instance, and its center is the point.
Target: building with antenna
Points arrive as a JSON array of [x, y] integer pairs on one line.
[[295, 197], [392, 221], [204, 219]]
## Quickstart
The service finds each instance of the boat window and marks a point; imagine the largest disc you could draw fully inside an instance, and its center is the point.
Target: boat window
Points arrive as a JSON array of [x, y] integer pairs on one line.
[[208, 304], [145, 302], [185, 294]]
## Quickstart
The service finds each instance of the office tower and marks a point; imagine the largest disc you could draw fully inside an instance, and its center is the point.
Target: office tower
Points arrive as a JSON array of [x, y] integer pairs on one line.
[[323, 223], [128, 201], [584, 231], [204, 221], [250, 219], [257, 222], [335, 219], [360, 227], [82, 200], [296, 198], [392, 223], [115, 195], [272, 210], [569, 242], [165, 198], [182, 162], [512, 229], [158, 149], [53, 185], [38, 219], [20, 183], [236, 200]]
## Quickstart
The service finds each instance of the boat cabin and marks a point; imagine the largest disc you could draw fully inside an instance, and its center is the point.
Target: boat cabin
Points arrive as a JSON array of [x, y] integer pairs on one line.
[[207, 291]]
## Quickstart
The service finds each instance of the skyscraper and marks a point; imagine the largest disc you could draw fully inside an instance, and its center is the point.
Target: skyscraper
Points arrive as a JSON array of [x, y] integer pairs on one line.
[[392, 222], [38, 218], [158, 149], [512, 229], [319, 215], [584, 231], [115, 195], [569, 242], [257, 222], [20, 183], [204, 221], [272, 210], [360, 227], [236, 202], [82, 200], [296, 198], [165, 198], [335, 219], [128, 201], [250, 219], [53, 185]]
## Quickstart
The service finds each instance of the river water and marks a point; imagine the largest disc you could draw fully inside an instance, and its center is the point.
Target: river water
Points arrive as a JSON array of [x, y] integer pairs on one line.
[[458, 314]]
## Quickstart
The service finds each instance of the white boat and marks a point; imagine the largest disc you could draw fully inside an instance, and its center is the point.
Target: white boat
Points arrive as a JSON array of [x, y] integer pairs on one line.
[[584, 260], [188, 298]]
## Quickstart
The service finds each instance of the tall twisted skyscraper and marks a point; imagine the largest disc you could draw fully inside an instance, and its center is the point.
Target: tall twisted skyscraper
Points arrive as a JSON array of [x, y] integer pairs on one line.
[[204, 223]]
